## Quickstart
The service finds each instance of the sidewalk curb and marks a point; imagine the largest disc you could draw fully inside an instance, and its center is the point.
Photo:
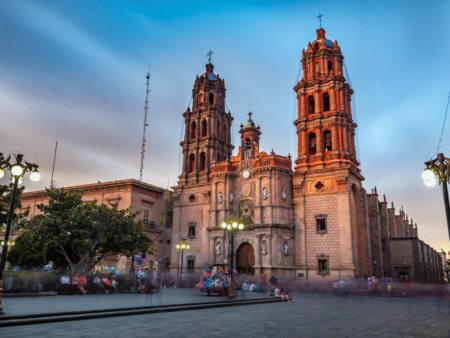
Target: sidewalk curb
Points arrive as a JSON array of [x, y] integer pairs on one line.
[[35, 294], [42, 319]]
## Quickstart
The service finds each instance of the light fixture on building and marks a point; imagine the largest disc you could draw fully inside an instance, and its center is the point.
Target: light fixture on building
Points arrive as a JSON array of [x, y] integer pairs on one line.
[[375, 261]]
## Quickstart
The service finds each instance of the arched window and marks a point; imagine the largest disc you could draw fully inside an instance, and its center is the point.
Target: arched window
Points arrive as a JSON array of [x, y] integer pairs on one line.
[[312, 143], [326, 102], [211, 98], [317, 69], [191, 163], [200, 99], [202, 161], [219, 159], [311, 105], [247, 149], [194, 130], [204, 128], [316, 46], [327, 140], [330, 66]]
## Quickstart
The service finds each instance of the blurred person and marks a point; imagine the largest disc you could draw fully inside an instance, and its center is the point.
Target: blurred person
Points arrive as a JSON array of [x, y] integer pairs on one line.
[[245, 286], [99, 287], [273, 280], [83, 282], [336, 287], [183, 280], [369, 286], [65, 282], [342, 288], [252, 288], [113, 282], [260, 288], [76, 283], [374, 284]]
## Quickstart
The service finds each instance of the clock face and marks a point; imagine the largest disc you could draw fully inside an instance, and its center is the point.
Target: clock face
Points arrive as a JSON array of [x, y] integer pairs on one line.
[[246, 174]]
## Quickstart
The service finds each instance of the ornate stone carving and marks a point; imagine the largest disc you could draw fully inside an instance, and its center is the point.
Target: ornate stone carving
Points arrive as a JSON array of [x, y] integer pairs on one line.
[[246, 189], [246, 211]]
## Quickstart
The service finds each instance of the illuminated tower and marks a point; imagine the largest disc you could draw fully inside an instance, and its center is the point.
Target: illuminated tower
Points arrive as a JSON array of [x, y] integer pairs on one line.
[[327, 179]]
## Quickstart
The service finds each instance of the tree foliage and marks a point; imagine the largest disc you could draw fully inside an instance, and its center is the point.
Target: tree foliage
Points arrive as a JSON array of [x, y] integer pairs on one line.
[[26, 252], [90, 231]]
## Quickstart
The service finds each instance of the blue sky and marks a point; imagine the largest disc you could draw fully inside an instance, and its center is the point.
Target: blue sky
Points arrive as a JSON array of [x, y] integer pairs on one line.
[[74, 72]]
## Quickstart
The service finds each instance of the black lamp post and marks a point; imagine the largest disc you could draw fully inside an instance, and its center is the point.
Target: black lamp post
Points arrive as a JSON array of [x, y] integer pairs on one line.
[[232, 227], [183, 245], [18, 171], [440, 168]]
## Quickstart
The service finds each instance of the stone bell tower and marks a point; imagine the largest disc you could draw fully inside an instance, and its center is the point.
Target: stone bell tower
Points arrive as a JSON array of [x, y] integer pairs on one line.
[[327, 179], [207, 136]]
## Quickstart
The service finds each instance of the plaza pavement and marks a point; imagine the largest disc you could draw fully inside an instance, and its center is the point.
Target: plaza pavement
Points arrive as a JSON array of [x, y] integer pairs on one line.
[[310, 315]]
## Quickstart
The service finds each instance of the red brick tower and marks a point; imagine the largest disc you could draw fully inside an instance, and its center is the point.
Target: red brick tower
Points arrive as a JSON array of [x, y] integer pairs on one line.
[[327, 179], [207, 129]]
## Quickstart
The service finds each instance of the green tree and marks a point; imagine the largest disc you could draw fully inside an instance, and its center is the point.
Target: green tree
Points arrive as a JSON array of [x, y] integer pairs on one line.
[[92, 232], [26, 252]]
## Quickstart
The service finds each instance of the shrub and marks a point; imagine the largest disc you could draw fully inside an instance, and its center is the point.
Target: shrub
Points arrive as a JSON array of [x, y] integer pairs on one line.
[[26, 281]]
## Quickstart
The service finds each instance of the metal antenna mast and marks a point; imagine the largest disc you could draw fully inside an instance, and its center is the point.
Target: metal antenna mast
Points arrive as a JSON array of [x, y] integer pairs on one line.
[[53, 183], [145, 127]]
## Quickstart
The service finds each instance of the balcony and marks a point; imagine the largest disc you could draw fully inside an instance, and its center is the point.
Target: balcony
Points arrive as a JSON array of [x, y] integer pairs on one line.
[[149, 224]]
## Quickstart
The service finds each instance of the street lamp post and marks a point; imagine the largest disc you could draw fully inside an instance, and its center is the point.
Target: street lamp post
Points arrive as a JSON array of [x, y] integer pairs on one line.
[[440, 168], [183, 245], [18, 171], [232, 228]]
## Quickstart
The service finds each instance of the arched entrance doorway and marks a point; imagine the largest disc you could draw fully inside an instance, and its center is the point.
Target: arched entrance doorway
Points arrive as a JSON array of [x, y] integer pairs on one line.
[[245, 259]]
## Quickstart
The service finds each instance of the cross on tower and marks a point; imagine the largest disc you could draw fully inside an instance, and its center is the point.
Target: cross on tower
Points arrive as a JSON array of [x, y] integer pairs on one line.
[[250, 116], [320, 19], [209, 54]]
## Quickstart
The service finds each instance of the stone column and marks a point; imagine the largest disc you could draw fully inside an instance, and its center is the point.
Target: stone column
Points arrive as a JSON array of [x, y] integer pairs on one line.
[[333, 99], [344, 137], [269, 250], [334, 136], [212, 255], [258, 200], [349, 105], [341, 100], [319, 144], [317, 102], [258, 255], [353, 142], [350, 143], [304, 141], [303, 97]]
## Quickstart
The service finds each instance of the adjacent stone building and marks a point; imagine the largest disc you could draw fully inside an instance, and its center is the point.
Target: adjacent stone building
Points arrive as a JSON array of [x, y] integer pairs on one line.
[[156, 212], [313, 221]]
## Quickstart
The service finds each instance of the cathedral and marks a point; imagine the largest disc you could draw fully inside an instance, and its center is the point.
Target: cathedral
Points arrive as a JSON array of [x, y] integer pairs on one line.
[[310, 219]]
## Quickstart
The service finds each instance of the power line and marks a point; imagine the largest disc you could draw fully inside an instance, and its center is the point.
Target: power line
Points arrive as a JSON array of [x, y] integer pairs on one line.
[[443, 125]]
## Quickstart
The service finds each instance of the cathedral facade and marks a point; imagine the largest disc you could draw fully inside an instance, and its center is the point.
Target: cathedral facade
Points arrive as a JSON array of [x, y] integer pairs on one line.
[[309, 219]]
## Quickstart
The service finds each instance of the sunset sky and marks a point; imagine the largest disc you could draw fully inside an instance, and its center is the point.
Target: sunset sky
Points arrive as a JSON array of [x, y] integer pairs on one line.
[[74, 72]]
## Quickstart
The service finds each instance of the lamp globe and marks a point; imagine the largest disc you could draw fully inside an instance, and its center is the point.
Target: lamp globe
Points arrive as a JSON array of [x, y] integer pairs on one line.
[[427, 175], [35, 176], [235, 225], [2, 173], [241, 226], [224, 225], [431, 182], [16, 170]]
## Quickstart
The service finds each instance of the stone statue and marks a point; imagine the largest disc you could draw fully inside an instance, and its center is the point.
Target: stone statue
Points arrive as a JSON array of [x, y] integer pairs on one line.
[[264, 193], [283, 194], [231, 197], [264, 247], [219, 197], [286, 248], [218, 249]]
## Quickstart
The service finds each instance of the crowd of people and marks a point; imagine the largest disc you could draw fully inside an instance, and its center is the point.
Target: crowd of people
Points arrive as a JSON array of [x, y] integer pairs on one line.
[[102, 283]]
